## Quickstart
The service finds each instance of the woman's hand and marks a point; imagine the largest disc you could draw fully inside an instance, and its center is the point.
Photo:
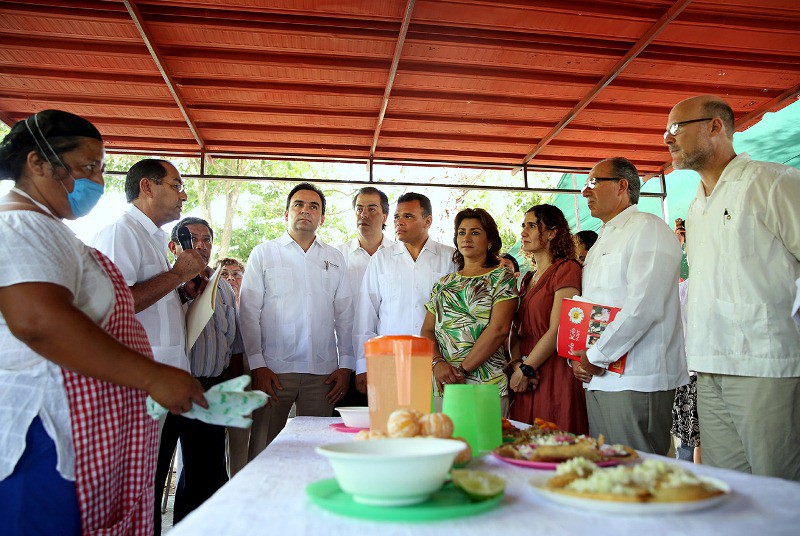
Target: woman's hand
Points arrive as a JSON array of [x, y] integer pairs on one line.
[[446, 373], [518, 382], [176, 389]]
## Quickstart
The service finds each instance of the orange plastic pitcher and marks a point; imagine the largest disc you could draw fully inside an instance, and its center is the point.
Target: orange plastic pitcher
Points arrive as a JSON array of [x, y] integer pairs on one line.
[[398, 376]]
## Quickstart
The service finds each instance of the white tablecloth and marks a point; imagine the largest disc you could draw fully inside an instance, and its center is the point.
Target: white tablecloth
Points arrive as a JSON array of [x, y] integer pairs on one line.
[[268, 497]]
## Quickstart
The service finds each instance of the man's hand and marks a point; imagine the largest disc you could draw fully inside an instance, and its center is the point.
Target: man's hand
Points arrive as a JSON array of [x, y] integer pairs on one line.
[[339, 380], [176, 390], [361, 383], [188, 264], [192, 290], [266, 380], [585, 370]]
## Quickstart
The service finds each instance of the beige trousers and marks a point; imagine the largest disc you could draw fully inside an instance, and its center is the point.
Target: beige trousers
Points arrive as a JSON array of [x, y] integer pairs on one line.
[[306, 391], [639, 420], [750, 424]]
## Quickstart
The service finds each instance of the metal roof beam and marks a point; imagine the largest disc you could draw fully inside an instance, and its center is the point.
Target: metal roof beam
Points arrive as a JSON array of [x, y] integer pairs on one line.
[[398, 50], [637, 48], [130, 5]]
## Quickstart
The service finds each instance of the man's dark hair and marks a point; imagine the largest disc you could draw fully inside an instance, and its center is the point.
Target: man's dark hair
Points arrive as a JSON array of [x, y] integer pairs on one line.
[[622, 168], [371, 190], [150, 168], [513, 260], [721, 109], [189, 220], [424, 202], [306, 186], [587, 238]]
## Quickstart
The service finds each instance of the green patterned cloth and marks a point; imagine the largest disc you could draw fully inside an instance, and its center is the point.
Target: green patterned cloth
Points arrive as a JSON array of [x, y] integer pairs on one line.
[[462, 307], [228, 404]]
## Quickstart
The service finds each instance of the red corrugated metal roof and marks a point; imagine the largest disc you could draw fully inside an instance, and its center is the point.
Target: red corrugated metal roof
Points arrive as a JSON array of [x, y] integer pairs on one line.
[[494, 82]]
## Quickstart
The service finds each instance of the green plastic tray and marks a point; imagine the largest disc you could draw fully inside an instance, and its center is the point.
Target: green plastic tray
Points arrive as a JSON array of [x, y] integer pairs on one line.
[[446, 503]]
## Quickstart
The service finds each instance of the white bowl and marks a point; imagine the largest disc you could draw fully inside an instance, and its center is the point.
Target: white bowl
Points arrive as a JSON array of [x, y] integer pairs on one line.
[[355, 416], [392, 472]]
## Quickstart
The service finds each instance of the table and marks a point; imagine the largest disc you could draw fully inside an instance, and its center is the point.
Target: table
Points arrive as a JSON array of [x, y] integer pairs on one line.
[[268, 497]]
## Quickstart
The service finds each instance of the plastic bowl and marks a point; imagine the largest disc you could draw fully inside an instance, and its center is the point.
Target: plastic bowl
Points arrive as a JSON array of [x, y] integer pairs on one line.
[[392, 472], [355, 416]]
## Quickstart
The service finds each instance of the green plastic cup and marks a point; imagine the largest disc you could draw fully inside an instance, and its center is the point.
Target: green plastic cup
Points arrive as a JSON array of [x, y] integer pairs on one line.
[[475, 412]]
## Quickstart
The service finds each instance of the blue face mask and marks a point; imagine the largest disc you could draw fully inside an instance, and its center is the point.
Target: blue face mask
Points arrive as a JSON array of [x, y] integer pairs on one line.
[[84, 196]]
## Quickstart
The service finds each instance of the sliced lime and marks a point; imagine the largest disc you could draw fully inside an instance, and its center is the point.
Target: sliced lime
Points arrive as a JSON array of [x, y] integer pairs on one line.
[[478, 485]]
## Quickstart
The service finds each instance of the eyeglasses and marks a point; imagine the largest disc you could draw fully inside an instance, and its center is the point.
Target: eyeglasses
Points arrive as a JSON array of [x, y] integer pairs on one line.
[[674, 128], [180, 188], [236, 274], [592, 182]]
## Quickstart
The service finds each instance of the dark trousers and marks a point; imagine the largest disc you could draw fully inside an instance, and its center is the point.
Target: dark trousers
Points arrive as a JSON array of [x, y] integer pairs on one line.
[[353, 397], [204, 470]]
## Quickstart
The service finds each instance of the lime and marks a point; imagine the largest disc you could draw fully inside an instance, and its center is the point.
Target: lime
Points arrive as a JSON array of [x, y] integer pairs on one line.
[[478, 485]]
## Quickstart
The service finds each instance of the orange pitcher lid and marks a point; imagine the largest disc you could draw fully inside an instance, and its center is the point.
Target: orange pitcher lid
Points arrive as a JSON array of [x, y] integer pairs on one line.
[[385, 344]]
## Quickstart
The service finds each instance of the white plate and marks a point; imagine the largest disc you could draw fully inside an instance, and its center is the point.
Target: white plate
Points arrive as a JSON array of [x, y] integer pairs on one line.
[[628, 508]]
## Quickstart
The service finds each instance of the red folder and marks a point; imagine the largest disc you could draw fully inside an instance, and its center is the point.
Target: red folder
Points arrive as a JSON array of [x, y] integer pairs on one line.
[[580, 326]]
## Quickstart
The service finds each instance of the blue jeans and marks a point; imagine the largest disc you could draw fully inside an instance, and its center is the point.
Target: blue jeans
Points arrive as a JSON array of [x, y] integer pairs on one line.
[[35, 499]]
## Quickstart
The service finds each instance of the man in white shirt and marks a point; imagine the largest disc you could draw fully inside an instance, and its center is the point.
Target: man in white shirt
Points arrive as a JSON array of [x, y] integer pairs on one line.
[[371, 207], [138, 246], [399, 278], [296, 309], [634, 265], [743, 244]]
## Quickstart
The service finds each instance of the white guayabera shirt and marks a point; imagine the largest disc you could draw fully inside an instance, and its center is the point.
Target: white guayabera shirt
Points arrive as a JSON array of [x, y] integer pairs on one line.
[[296, 308], [743, 243], [395, 290], [635, 265], [139, 249]]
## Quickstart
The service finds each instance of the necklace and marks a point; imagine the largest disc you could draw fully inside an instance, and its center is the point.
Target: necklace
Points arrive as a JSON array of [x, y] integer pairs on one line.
[[538, 275]]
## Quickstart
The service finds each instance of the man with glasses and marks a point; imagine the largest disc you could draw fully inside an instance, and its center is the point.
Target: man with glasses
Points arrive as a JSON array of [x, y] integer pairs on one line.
[[634, 265], [743, 244], [138, 246], [371, 208]]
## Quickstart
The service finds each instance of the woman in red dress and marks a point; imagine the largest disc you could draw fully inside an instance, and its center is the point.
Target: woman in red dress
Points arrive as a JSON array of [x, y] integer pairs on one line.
[[557, 397]]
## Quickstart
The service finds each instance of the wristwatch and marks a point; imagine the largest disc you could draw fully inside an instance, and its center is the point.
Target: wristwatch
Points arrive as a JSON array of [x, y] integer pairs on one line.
[[527, 370]]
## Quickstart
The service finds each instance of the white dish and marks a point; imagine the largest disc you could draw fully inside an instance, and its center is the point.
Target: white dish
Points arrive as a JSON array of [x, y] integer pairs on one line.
[[391, 472], [355, 416], [628, 508]]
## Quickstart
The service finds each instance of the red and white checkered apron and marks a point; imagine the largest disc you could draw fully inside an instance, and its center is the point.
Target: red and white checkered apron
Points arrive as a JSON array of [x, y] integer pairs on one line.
[[115, 440]]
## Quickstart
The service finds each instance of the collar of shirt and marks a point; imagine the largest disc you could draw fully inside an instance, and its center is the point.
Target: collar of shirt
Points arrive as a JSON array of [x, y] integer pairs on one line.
[[151, 228], [619, 221], [286, 240], [355, 245], [431, 246]]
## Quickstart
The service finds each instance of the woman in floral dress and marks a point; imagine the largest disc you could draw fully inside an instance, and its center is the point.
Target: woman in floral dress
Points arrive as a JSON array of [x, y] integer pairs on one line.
[[557, 397], [470, 311]]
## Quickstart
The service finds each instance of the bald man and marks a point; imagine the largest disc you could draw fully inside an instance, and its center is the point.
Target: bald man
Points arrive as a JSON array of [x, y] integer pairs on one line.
[[743, 245]]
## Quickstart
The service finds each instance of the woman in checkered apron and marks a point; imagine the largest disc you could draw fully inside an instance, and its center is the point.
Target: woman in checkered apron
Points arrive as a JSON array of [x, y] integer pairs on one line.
[[77, 450]]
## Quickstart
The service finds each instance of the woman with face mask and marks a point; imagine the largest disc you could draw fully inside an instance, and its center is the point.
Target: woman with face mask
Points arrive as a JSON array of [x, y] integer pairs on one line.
[[77, 449]]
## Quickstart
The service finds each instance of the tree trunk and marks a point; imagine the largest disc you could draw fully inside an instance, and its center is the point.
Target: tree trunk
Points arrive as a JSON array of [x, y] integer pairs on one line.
[[231, 198]]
